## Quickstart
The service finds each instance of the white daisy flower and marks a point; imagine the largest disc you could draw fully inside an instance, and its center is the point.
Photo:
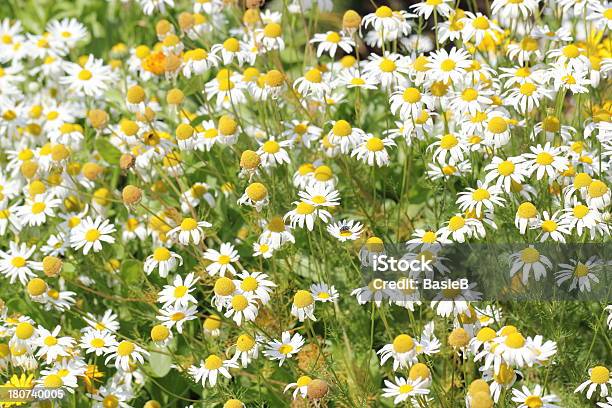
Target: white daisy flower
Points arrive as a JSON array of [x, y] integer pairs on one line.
[[284, 348], [209, 370], [221, 261], [90, 234]]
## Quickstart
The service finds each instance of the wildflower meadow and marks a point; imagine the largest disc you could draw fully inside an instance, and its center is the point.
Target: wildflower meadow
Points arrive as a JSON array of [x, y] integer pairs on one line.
[[305, 203]]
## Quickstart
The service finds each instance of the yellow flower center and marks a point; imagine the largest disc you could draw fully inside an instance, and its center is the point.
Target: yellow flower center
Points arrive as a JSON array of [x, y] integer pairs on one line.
[[110, 401], [189, 224], [529, 44], [448, 65], [506, 168], [403, 343], [333, 37], [53, 381], [387, 65], [456, 223], [245, 342], [570, 51], [213, 362], [18, 262], [224, 287], [303, 381], [384, 12], [497, 125], [486, 334], [480, 195], [600, 375], [125, 348], [180, 291], [544, 158], [429, 237], [161, 254], [533, 401], [285, 349], [97, 343], [549, 226], [24, 330], [597, 188], [515, 340], [551, 124], [527, 89], [314, 76], [412, 95], [527, 210], [239, 302], [85, 75], [302, 299], [231, 45], [374, 144], [271, 147], [581, 270], [92, 235], [304, 208], [256, 191], [448, 141], [481, 23], [249, 284], [273, 30], [580, 211], [342, 128], [469, 94], [224, 259], [405, 389]]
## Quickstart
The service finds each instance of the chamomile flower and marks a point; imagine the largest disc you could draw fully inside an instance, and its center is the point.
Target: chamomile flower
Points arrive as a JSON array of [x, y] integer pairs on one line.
[[345, 135], [580, 273], [598, 195], [209, 370], [372, 150], [402, 350], [345, 230], [331, 41], [599, 378], [247, 349], [177, 315], [233, 49], [242, 307], [179, 293], [301, 386], [255, 284], [273, 152], [284, 348], [305, 214], [221, 261], [276, 233], [15, 264], [126, 353], [504, 172], [92, 79], [188, 231], [403, 389], [163, 259], [448, 145], [312, 84], [426, 8], [97, 342], [527, 96], [545, 160], [51, 346], [322, 292], [90, 233], [303, 306], [527, 399], [389, 69], [445, 66], [409, 102], [527, 260], [552, 226], [36, 210], [511, 9], [481, 198]]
